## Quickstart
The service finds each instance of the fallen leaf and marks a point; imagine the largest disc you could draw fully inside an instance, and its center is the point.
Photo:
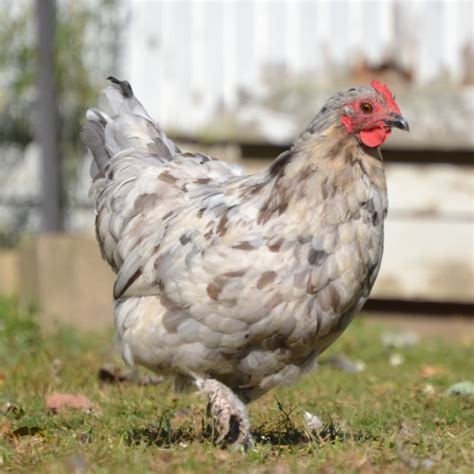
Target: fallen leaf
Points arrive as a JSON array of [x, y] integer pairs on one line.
[[2, 378], [5, 430], [430, 370], [57, 402]]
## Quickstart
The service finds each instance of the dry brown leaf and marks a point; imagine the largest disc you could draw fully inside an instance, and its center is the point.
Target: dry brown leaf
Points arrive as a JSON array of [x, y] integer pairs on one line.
[[57, 402], [430, 371], [5, 430]]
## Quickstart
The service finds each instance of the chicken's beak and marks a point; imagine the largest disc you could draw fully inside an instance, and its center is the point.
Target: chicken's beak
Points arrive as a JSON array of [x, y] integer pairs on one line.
[[398, 121]]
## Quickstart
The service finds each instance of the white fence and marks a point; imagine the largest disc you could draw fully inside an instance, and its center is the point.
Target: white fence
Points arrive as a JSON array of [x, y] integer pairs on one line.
[[191, 59]]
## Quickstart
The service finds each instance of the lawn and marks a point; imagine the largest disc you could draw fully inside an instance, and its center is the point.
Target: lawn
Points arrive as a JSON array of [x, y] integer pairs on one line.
[[393, 416]]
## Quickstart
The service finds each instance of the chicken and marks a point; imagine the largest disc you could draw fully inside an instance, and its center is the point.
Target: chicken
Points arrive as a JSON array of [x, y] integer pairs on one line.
[[234, 284]]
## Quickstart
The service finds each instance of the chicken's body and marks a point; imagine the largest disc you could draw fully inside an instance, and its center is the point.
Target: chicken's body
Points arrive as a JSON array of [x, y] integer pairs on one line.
[[241, 279]]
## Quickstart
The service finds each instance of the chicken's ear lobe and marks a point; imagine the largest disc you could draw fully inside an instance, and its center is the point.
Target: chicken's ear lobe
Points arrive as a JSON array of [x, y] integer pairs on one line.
[[346, 121]]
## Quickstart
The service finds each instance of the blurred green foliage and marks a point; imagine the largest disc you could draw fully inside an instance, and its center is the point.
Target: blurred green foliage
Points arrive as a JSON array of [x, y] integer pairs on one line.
[[87, 49]]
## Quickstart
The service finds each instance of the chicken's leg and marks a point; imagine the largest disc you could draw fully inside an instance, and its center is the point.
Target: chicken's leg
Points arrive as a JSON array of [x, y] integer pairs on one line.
[[228, 412]]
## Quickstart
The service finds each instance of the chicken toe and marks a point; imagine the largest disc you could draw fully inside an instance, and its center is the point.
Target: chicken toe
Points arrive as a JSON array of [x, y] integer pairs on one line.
[[229, 413]]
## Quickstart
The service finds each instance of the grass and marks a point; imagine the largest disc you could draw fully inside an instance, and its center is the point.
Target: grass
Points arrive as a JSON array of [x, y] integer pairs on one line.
[[383, 419]]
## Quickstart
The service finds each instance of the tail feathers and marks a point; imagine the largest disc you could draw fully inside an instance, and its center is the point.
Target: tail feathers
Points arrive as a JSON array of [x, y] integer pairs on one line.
[[118, 99], [122, 123]]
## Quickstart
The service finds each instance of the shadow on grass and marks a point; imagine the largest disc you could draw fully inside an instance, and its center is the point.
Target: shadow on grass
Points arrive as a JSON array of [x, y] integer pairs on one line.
[[284, 432]]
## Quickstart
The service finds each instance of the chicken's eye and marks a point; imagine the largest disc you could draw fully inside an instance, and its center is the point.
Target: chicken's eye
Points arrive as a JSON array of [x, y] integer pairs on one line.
[[366, 107]]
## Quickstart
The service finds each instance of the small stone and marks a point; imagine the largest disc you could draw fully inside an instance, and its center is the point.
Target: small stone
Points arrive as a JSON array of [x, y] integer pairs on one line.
[[462, 388], [396, 359], [428, 389]]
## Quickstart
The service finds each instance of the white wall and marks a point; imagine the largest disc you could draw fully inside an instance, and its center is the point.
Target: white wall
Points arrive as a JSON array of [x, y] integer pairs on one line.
[[187, 58]]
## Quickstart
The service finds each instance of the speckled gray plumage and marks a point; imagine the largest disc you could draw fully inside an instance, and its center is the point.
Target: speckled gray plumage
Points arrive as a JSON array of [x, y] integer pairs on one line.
[[242, 279]]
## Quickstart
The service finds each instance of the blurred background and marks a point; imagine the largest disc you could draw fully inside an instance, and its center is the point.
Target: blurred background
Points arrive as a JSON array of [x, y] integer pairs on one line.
[[237, 80]]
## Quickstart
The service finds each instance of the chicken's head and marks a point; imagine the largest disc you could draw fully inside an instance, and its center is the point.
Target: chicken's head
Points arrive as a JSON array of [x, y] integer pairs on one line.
[[371, 114]]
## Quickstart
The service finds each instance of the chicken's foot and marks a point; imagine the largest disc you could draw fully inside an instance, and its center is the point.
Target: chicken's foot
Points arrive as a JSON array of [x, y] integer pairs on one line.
[[228, 412]]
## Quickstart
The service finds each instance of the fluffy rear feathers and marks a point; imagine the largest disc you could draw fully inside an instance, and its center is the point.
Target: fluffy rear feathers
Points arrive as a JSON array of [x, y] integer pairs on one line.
[[123, 124]]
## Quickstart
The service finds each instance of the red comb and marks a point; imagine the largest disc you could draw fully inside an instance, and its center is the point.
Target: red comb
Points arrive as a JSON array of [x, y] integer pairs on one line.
[[385, 91]]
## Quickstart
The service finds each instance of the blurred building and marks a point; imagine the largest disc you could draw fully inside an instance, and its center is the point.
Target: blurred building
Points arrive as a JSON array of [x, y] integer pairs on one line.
[[261, 69]]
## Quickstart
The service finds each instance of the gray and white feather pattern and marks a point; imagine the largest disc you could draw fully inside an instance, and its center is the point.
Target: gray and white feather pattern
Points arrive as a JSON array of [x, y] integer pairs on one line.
[[241, 279]]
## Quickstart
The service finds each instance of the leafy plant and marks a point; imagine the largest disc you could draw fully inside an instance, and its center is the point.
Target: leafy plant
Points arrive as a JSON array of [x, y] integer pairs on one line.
[[87, 47]]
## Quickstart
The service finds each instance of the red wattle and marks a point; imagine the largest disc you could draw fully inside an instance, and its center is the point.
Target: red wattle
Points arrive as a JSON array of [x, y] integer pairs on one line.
[[374, 137]]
